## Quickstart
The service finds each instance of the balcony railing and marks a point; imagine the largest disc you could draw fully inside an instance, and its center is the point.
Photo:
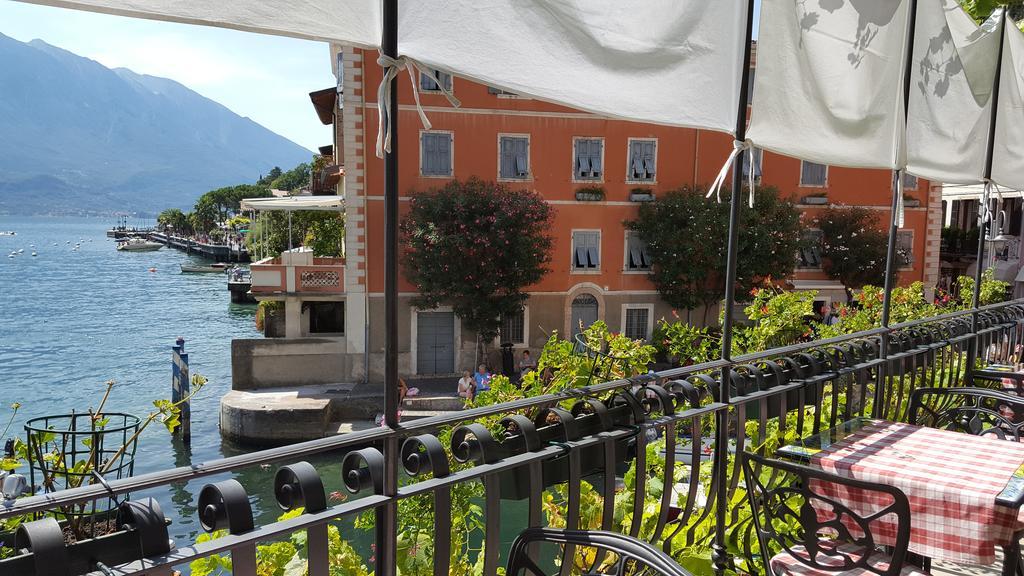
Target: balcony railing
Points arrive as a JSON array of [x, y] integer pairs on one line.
[[287, 275], [587, 435]]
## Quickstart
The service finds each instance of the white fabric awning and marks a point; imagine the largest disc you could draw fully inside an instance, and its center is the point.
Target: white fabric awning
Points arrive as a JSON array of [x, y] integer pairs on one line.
[[828, 83], [951, 93], [1008, 154], [295, 203], [829, 86], [974, 192]]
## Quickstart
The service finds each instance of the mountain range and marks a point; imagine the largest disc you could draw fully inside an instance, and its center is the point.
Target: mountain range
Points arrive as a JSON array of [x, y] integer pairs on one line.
[[78, 137]]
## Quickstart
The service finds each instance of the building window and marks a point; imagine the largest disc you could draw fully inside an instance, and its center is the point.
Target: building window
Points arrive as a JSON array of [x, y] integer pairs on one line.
[[642, 160], [500, 92], [326, 317], [513, 327], [905, 248], [751, 74], [514, 159], [428, 84], [909, 181], [636, 323], [636, 253], [809, 255], [436, 153], [757, 155], [586, 250], [587, 158], [812, 174]]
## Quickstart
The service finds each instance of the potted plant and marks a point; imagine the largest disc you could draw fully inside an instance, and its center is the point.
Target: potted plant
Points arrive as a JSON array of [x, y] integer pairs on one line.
[[819, 199], [590, 194], [641, 195], [65, 451]]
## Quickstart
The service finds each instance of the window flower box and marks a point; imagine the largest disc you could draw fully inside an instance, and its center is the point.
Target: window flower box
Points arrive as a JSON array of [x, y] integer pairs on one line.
[[641, 195], [590, 194], [815, 200]]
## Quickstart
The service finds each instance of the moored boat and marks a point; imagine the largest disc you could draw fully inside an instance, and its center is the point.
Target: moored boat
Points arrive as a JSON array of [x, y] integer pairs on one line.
[[203, 268], [138, 245]]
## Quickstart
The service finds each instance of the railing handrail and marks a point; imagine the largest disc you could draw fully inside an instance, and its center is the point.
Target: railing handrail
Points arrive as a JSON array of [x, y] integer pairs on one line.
[[301, 450]]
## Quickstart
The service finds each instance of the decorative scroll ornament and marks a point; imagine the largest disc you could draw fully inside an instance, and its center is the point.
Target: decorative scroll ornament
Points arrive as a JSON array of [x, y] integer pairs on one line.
[[424, 453], [299, 486]]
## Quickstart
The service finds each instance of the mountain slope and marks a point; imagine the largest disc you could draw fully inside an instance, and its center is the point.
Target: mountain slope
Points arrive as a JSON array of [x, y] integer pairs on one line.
[[76, 136]]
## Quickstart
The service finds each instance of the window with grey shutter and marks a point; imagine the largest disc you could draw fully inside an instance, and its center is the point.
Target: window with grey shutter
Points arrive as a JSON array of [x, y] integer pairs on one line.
[[905, 248], [636, 323], [588, 159], [636, 253], [586, 250], [428, 84], [436, 154], [513, 327], [812, 174], [756, 155], [909, 181], [809, 255], [642, 160], [514, 157]]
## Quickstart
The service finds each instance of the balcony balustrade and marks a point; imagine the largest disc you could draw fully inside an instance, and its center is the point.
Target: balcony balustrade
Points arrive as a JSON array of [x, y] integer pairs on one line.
[[298, 272], [517, 450]]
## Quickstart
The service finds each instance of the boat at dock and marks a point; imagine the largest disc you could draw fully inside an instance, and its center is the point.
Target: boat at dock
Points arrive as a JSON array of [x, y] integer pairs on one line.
[[138, 245], [204, 268], [240, 285]]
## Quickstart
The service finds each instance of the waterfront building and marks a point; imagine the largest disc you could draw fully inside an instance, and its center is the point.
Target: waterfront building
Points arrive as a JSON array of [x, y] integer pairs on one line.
[[558, 151]]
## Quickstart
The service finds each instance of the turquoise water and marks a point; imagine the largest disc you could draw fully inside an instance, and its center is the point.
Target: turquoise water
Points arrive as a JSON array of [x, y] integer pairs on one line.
[[72, 320]]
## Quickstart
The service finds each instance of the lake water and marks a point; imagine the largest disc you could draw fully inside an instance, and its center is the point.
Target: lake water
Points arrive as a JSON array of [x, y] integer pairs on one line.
[[72, 320]]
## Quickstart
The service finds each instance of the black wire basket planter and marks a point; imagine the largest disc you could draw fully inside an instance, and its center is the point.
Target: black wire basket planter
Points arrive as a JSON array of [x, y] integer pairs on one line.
[[71, 450]]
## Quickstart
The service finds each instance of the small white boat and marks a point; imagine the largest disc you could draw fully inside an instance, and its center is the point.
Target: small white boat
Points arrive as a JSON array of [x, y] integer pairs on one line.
[[34, 253], [8, 233], [203, 268], [138, 245]]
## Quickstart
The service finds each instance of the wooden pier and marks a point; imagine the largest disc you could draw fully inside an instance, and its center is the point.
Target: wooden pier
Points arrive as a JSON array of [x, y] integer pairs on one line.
[[216, 252]]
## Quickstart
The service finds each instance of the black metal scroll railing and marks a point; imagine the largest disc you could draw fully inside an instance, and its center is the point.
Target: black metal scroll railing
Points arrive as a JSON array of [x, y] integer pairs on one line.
[[636, 456]]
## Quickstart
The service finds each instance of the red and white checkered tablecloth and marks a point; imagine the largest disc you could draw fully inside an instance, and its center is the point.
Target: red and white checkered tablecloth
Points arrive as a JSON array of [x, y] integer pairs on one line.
[[951, 480]]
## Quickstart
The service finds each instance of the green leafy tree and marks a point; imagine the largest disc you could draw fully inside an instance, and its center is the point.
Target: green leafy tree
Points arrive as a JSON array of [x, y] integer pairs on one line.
[[177, 220], [476, 245], [853, 245], [685, 235], [992, 291], [324, 232], [292, 180], [274, 174], [981, 9]]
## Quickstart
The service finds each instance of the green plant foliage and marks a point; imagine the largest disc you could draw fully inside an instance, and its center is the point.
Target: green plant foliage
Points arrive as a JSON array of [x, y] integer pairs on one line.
[[992, 291], [685, 233], [777, 318], [476, 245], [854, 246], [682, 343]]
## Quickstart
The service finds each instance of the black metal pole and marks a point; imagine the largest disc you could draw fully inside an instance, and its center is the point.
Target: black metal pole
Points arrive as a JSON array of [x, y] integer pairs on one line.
[[387, 516], [983, 224], [894, 208], [719, 555]]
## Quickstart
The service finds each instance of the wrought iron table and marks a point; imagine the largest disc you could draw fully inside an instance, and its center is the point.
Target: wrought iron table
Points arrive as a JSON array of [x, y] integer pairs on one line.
[[965, 491]]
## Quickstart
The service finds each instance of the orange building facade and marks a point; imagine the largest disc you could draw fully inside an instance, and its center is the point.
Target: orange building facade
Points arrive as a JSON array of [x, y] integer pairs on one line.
[[597, 270]]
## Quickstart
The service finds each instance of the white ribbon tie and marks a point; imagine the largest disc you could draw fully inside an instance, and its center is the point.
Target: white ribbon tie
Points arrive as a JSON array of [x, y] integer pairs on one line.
[[716, 186], [392, 66]]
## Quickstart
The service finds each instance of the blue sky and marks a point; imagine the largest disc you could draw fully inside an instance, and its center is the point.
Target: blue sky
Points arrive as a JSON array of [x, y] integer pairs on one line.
[[266, 78]]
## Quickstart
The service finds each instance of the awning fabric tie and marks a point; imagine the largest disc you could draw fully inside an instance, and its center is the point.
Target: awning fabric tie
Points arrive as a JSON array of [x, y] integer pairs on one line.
[[392, 66], [716, 186]]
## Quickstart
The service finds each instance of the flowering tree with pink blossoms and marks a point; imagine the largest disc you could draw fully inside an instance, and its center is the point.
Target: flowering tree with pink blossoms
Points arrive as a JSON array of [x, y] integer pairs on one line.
[[476, 246]]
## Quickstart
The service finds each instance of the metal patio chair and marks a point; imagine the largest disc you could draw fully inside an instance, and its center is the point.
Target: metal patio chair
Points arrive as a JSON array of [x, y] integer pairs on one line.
[[977, 411], [614, 554], [804, 531]]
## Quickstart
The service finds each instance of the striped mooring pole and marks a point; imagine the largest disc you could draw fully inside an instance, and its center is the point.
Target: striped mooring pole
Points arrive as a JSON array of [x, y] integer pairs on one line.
[[180, 388]]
